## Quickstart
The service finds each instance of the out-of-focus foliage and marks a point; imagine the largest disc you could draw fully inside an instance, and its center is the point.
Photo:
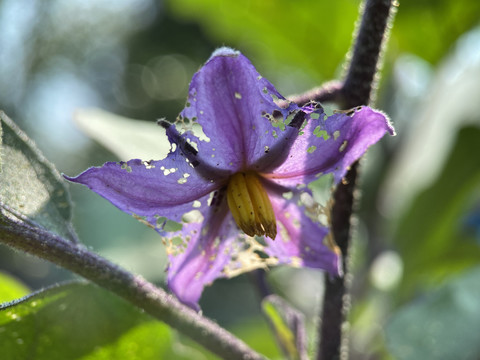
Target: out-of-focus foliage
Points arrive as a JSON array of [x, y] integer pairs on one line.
[[313, 36], [428, 28], [443, 325], [307, 38], [288, 326], [128, 139], [11, 289], [30, 187], [432, 236], [419, 220], [82, 321]]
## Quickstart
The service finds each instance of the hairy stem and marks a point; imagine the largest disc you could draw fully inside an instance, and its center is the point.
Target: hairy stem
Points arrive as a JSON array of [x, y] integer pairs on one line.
[[329, 92], [132, 288], [362, 74], [357, 89]]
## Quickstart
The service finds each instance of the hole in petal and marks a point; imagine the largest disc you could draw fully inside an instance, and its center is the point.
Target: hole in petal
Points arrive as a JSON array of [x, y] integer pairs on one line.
[[287, 195], [169, 171], [250, 256], [336, 134], [318, 132], [125, 166], [197, 130], [193, 216], [172, 226], [148, 164]]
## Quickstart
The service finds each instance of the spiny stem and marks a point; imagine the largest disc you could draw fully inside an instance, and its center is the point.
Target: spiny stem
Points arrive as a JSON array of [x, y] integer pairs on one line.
[[139, 292], [362, 74], [356, 90]]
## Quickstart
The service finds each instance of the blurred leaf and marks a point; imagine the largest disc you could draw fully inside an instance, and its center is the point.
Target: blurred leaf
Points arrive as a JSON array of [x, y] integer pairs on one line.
[[439, 21], [288, 326], [30, 186], [429, 236], [443, 325], [127, 138], [81, 321], [257, 335], [11, 288], [252, 330], [313, 36]]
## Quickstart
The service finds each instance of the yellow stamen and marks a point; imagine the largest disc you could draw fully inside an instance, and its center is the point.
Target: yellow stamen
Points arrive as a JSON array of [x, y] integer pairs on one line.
[[250, 206]]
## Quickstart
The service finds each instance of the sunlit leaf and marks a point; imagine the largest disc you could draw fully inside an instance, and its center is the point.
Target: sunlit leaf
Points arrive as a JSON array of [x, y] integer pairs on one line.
[[82, 321], [443, 325], [30, 186], [10, 288], [287, 325], [430, 237], [303, 39], [127, 138]]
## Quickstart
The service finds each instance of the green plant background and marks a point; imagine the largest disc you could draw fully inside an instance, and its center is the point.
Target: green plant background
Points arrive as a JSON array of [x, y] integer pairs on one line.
[[417, 242]]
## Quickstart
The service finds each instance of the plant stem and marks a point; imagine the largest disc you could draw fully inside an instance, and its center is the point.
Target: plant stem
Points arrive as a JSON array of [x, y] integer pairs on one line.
[[329, 92], [357, 89], [135, 289], [362, 74]]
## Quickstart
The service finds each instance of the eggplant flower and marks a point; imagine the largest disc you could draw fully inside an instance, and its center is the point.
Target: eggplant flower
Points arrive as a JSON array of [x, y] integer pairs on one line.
[[235, 178]]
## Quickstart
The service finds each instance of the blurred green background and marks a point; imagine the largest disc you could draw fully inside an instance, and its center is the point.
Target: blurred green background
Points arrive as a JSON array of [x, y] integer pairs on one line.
[[417, 240]]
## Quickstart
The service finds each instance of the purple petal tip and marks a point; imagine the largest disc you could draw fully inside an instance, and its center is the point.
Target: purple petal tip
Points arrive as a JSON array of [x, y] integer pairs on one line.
[[225, 51]]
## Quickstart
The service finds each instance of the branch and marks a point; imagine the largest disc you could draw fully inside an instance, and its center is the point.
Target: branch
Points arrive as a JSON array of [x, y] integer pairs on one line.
[[132, 288], [356, 90], [329, 92]]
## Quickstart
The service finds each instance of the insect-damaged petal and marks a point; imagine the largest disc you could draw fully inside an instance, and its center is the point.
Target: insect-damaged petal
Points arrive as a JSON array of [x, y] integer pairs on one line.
[[239, 111], [300, 242], [331, 146], [206, 249], [154, 189]]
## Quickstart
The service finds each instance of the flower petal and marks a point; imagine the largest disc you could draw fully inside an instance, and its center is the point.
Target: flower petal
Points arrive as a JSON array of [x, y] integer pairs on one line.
[[207, 248], [238, 110], [331, 146], [300, 241], [166, 188]]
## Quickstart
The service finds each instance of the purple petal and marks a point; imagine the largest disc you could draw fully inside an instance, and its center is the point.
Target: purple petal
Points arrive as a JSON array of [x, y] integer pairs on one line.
[[209, 248], [331, 146], [237, 110], [166, 188], [300, 241]]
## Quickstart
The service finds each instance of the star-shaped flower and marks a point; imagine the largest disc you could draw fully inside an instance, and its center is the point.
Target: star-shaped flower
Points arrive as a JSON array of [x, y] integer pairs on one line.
[[239, 189]]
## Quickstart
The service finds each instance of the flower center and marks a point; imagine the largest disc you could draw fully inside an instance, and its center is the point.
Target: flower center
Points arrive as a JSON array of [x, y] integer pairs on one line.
[[250, 206]]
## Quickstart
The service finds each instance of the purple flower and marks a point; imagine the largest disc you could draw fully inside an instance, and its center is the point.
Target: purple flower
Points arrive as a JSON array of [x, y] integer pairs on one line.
[[236, 177]]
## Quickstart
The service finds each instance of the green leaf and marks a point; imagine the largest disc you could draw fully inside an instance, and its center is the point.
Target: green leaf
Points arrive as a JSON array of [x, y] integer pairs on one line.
[[281, 37], [444, 325], [11, 288], [81, 321], [430, 237], [441, 22], [127, 138], [252, 330], [288, 326], [30, 187]]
